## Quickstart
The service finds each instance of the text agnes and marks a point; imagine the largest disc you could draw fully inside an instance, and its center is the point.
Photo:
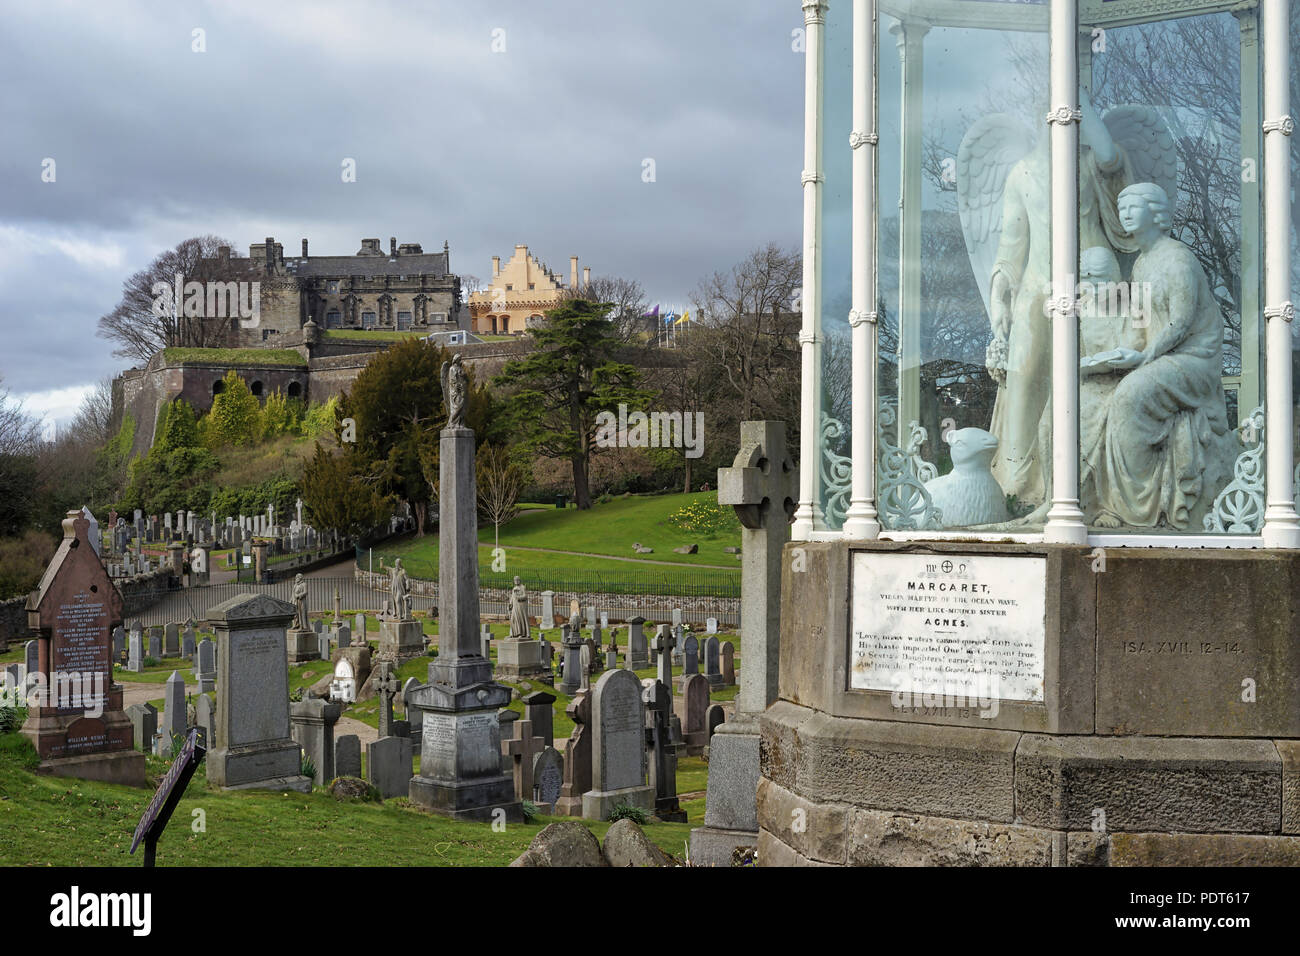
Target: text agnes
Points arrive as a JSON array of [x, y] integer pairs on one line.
[[76, 909]]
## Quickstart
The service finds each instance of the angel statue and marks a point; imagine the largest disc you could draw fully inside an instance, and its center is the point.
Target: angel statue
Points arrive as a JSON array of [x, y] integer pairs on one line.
[[518, 611], [300, 602], [454, 390], [1003, 199]]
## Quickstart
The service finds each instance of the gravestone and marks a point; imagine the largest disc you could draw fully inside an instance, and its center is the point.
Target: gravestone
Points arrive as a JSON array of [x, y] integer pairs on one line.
[[663, 752], [690, 708], [571, 646], [359, 625], [577, 758], [343, 635], [711, 625], [611, 658], [539, 708], [712, 663], [119, 644], [175, 720], [347, 756], [548, 609], [388, 766], [313, 723], [691, 662], [326, 647], [618, 765], [73, 612], [677, 619], [713, 717], [728, 655], [663, 647], [206, 668], [135, 651], [638, 656], [384, 682], [155, 643], [253, 746], [485, 640], [144, 724], [344, 685], [205, 719], [762, 485], [548, 778], [519, 751], [187, 644], [32, 657], [460, 756]]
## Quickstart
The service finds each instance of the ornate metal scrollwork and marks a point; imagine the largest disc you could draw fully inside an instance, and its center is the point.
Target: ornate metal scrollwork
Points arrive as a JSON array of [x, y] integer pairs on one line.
[[1239, 508], [837, 474], [903, 502]]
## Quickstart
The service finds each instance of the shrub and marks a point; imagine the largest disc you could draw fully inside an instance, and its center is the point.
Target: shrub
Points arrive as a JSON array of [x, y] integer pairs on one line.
[[235, 417], [704, 517], [23, 560], [308, 767], [530, 811], [624, 811]]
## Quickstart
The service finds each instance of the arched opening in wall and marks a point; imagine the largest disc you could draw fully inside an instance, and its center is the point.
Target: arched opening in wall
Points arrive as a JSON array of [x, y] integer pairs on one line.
[[218, 387], [505, 324], [256, 389], [295, 390]]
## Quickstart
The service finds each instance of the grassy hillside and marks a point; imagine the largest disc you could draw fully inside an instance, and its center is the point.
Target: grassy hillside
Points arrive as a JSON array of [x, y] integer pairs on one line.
[[257, 357]]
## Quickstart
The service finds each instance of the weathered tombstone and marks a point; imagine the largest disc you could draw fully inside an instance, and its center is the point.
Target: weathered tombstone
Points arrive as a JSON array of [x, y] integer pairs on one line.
[[548, 609], [663, 752], [548, 778], [677, 619], [611, 658], [144, 724], [187, 643], [414, 716], [313, 723], [618, 747], [577, 758], [663, 646], [205, 719], [135, 651], [638, 656], [73, 612], [343, 634], [485, 641], [691, 664], [384, 682], [539, 708], [205, 669], [712, 663], [253, 747], [520, 749], [591, 617], [711, 625], [762, 485], [388, 765], [690, 708], [32, 657], [155, 643], [713, 717], [359, 625], [326, 647], [175, 722], [347, 756]]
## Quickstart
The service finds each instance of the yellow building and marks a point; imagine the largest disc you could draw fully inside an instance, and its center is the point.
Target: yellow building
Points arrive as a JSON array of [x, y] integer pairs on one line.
[[520, 293]]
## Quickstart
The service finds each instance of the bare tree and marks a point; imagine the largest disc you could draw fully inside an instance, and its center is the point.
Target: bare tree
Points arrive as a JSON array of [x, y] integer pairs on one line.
[[499, 482], [20, 432], [92, 424], [133, 325], [626, 299]]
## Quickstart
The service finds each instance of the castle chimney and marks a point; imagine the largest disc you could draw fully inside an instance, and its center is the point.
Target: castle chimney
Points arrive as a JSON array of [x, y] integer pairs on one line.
[[223, 256], [304, 248], [392, 246], [270, 254], [573, 272], [586, 277], [496, 266]]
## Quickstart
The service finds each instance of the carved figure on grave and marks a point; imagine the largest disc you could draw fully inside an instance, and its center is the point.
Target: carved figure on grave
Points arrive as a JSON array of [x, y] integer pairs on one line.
[[300, 602], [455, 388], [399, 591], [518, 611]]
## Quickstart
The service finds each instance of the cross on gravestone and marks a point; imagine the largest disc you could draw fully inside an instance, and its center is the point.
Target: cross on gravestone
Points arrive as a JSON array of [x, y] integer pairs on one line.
[[762, 485], [521, 749], [663, 761], [385, 685], [663, 646]]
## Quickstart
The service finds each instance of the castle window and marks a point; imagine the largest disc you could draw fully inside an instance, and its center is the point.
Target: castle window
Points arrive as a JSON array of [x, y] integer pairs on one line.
[[256, 389], [333, 320], [403, 321], [368, 320], [333, 285], [218, 387], [295, 390]]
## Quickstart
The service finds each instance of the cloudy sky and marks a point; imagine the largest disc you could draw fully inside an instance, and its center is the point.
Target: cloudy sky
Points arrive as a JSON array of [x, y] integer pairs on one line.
[[484, 123]]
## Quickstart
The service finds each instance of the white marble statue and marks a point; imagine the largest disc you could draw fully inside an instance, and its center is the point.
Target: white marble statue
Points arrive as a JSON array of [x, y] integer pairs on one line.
[[300, 602], [968, 495], [1003, 196], [399, 592], [518, 611], [455, 391], [1154, 442]]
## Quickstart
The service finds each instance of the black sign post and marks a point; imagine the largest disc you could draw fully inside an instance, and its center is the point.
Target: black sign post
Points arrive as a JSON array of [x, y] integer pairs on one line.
[[170, 790]]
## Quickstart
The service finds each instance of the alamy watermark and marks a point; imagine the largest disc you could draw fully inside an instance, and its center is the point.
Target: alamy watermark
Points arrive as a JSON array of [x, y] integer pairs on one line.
[[209, 300], [651, 430], [69, 690]]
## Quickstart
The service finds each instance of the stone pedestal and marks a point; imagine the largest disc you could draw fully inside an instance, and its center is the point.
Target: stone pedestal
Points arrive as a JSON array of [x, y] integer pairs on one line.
[[571, 647], [301, 645], [400, 640], [460, 754], [520, 659], [1138, 740]]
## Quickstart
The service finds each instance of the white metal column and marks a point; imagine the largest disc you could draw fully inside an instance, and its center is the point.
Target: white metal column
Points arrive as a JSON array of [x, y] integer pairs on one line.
[[1065, 522], [1281, 525], [808, 515], [862, 521]]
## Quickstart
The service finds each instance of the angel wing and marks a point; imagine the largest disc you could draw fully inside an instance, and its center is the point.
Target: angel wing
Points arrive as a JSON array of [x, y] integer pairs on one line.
[[442, 377], [992, 145], [1145, 136]]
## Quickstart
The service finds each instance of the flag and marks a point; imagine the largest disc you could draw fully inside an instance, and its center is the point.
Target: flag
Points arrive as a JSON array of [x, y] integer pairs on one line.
[[686, 317], [652, 314]]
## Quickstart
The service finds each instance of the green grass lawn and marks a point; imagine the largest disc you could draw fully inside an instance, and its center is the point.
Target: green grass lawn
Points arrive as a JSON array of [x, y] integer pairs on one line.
[[255, 357], [55, 821], [373, 335], [605, 529]]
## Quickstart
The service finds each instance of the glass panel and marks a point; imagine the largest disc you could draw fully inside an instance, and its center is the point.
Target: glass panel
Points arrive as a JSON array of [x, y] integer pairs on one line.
[[1294, 141], [834, 349], [1169, 276], [963, 242]]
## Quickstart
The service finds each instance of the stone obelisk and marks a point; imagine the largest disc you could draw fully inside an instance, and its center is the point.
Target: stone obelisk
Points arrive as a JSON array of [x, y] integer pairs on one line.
[[460, 759]]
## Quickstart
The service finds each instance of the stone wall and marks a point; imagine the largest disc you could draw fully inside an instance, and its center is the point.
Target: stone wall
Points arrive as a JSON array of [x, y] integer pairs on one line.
[[13, 622], [13, 612]]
